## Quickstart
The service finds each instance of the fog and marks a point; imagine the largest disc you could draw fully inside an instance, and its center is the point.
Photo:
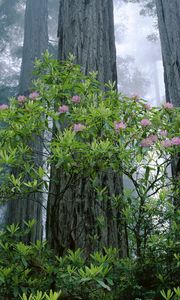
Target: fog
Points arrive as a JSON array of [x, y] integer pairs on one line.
[[139, 60]]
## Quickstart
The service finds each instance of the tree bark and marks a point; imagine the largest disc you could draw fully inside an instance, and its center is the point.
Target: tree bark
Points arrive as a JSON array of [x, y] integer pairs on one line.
[[169, 27], [86, 30], [35, 40], [35, 43]]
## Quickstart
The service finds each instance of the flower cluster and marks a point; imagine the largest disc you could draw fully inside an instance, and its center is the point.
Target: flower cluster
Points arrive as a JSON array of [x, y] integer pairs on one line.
[[3, 106], [175, 141], [76, 99], [168, 105], [78, 127], [33, 95], [145, 122], [119, 125], [149, 141], [167, 143], [146, 142], [21, 99], [163, 132], [63, 109]]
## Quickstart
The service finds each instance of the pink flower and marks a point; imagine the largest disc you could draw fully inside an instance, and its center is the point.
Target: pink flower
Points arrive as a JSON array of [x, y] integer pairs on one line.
[[135, 98], [3, 106], [175, 141], [76, 99], [33, 95], [163, 132], [63, 109], [167, 143], [153, 138], [78, 127], [168, 105], [21, 99], [146, 142], [145, 122], [147, 106], [119, 125]]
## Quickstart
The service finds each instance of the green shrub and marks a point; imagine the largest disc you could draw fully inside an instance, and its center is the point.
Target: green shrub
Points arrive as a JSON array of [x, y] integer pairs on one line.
[[103, 130]]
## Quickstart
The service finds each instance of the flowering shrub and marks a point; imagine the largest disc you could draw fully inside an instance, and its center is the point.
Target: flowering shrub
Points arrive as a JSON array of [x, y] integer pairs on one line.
[[92, 132]]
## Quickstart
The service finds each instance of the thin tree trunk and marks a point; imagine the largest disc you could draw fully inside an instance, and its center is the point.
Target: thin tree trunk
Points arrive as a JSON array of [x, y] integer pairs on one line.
[[169, 27], [86, 30], [35, 43]]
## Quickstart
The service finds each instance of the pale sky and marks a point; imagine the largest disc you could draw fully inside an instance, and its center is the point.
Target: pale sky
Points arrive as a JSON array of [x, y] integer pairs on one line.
[[134, 42]]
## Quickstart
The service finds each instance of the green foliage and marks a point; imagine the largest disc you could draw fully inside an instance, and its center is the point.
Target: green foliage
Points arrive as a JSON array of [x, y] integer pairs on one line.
[[27, 269], [89, 131], [175, 294], [40, 296]]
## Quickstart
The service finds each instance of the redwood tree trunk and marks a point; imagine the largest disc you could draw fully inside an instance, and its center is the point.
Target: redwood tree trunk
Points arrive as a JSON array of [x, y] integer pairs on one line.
[[169, 27], [35, 43], [35, 40], [86, 29]]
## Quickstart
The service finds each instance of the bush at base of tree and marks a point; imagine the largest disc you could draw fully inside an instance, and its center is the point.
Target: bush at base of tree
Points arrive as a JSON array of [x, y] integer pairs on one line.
[[103, 131], [31, 268]]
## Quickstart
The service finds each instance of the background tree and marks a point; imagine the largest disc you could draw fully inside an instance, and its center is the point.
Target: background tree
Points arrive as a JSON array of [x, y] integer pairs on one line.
[[148, 7], [73, 216], [169, 27], [11, 38], [130, 79], [11, 31], [35, 40], [168, 20], [35, 43]]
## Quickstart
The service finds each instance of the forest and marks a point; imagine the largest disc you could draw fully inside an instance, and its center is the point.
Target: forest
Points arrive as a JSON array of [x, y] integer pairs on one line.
[[89, 149]]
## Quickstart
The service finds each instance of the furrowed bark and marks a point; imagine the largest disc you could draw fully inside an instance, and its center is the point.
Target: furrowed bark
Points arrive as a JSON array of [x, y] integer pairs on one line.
[[169, 27], [35, 43], [86, 30]]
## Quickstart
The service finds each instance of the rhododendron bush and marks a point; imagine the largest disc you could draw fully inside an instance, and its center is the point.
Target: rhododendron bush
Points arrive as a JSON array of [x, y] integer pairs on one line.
[[86, 129], [95, 130]]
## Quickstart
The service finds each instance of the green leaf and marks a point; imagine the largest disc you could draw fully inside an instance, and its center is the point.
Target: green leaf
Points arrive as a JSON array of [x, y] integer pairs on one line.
[[105, 286]]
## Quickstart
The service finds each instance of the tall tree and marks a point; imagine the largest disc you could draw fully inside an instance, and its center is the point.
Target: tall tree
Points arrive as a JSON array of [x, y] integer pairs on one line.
[[169, 27], [35, 40], [86, 29], [11, 26], [169, 23], [35, 43]]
